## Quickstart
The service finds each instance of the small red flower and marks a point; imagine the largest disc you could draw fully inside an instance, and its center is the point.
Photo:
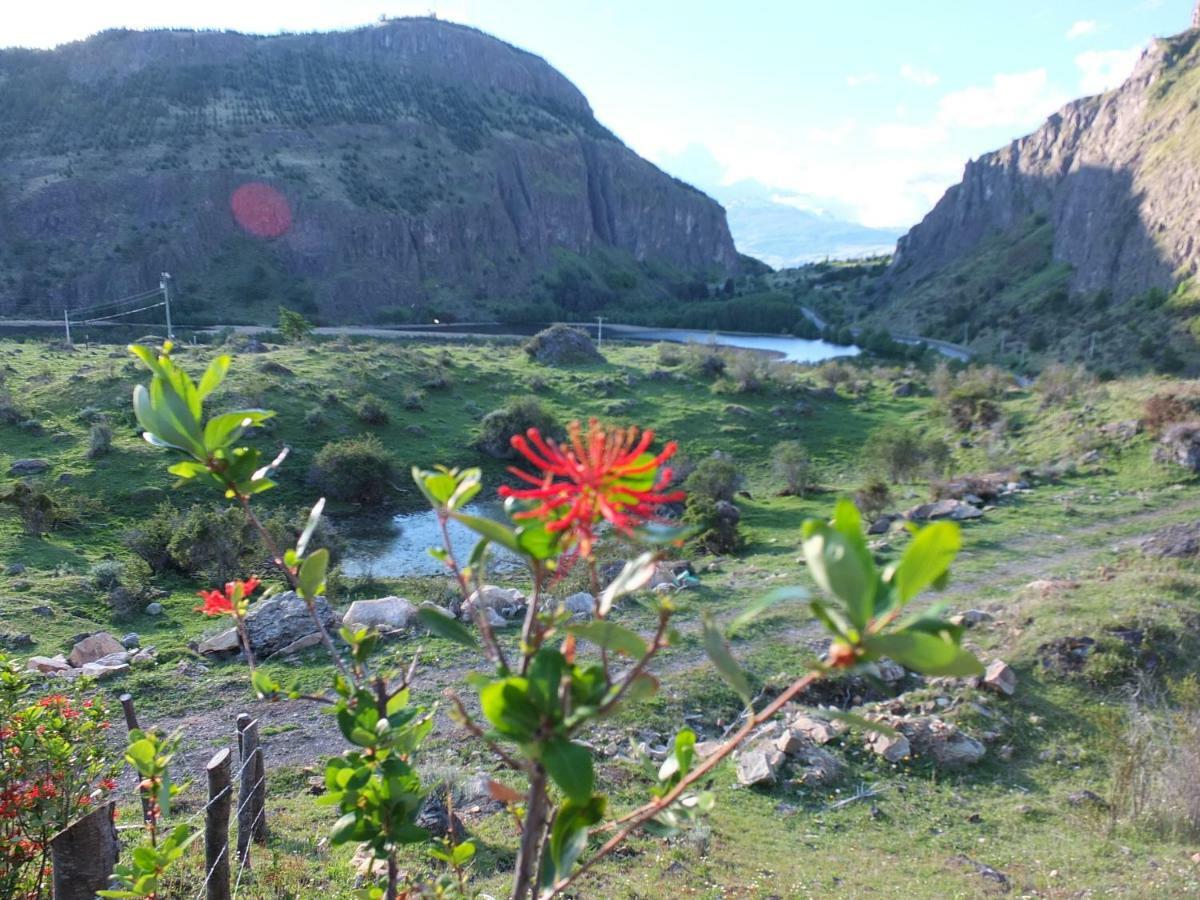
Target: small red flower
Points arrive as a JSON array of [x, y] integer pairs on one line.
[[217, 603], [601, 475]]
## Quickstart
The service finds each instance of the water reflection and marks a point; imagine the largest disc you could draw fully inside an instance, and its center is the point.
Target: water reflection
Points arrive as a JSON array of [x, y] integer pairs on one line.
[[398, 547]]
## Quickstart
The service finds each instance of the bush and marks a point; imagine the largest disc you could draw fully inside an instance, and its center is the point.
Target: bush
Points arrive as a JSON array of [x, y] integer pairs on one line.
[[669, 354], [314, 417], [715, 478], [354, 470], [414, 400], [99, 440], [1058, 384], [872, 498], [106, 575], [748, 372], [497, 427], [716, 522], [39, 510], [210, 541], [293, 327], [899, 453], [151, 540], [371, 411], [1162, 410], [704, 361], [793, 467]]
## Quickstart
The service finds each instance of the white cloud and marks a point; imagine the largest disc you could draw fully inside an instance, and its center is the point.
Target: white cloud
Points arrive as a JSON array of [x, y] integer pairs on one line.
[[860, 80], [897, 136], [1081, 28], [834, 136], [1016, 99], [1103, 70], [916, 75]]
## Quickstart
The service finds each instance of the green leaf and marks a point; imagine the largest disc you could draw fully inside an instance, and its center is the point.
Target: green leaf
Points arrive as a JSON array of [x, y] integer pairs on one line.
[[463, 853], [344, 829], [444, 626], [926, 559], [141, 754], [545, 679], [214, 375], [634, 576], [537, 541], [840, 567], [568, 837], [264, 683], [493, 531], [755, 608], [225, 429], [506, 704], [718, 652], [570, 765], [645, 685], [311, 579], [924, 653], [611, 636]]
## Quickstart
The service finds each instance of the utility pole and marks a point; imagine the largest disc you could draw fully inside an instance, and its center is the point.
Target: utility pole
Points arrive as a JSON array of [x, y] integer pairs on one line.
[[164, 284], [67, 324], [599, 331]]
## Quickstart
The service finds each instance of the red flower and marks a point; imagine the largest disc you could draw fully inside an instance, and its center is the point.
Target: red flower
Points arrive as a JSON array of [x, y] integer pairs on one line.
[[600, 475], [218, 603]]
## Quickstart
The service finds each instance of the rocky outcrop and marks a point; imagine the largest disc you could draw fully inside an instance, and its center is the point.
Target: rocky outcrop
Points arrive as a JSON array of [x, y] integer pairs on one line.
[[1110, 175], [414, 159]]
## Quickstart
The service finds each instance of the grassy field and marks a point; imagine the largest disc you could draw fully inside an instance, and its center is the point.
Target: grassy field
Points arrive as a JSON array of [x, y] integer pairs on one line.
[[917, 831]]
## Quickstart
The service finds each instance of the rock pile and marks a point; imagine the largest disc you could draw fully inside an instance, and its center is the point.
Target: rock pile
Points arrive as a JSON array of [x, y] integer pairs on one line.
[[98, 655]]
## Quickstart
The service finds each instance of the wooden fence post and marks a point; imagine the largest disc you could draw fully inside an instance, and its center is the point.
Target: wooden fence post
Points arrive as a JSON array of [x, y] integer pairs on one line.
[[84, 855], [252, 816], [131, 724], [216, 826]]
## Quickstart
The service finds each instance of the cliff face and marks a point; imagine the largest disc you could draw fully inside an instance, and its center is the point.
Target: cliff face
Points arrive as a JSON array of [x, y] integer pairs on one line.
[[1116, 176], [411, 166]]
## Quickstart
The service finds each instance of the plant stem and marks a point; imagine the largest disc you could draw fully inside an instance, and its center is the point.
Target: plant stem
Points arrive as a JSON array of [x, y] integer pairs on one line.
[[531, 612], [531, 834]]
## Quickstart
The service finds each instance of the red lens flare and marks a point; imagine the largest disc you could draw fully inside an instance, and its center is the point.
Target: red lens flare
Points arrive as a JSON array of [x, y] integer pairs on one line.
[[261, 210]]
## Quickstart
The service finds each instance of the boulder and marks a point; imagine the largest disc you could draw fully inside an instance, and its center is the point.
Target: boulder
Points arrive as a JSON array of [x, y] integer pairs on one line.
[[890, 672], [22, 467], [14, 569], [1000, 678], [154, 609], [15, 640], [99, 670], [955, 750], [759, 766], [954, 510], [581, 604], [496, 620], [892, 747], [817, 730], [97, 646], [507, 602], [131, 641], [223, 642], [971, 618], [820, 767], [48, 664], [389, 613], [1180, 444], [883, 524], [562, 345], [309, 640], [279, 621], [1174, 541]]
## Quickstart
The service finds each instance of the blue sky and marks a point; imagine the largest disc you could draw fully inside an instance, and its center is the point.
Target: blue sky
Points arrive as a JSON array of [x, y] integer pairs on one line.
[[865, 109]]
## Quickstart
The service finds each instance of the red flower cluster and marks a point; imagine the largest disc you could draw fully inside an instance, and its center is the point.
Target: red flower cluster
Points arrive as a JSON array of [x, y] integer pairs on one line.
[[601, 475], [218, 603]]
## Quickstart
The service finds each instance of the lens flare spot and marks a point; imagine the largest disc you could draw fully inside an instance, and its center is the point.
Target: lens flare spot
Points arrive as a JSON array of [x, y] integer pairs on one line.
[[261, 210]]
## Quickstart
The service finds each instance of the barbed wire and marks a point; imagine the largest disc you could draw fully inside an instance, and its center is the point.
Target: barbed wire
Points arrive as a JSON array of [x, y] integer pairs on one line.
[[132, 298], [246, 858], [128, 312]]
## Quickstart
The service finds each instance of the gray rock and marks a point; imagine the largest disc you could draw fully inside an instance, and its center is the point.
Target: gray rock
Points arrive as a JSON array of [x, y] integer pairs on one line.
[[954, 510], [892, 747], [816, 729], [1180, 444], [1000, 678], [562, 345], [957, 751], [44, 611], [759, 766], [48, 664], [14, 569], [1174, 541], [102, 671], [890, 672], [93, 648], [581, 604], [304, 643], [154, 609], [507, 601], [820, 767], [16, 639], [389, 613], [21, 467], [278, 621], [131, 641]]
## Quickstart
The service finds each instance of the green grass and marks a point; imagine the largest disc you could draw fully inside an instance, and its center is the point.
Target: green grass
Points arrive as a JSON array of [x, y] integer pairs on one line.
[[901, 843]]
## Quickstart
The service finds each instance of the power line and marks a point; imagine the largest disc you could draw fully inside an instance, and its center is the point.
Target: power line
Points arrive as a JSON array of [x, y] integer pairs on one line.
[[141, 295], [127, 312]]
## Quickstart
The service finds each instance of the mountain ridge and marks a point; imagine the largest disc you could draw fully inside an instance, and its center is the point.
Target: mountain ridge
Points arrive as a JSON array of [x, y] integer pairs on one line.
[[428, 169]]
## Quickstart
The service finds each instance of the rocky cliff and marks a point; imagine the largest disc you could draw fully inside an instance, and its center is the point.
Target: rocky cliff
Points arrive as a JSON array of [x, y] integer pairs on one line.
[[382, 174], [1116, 176]]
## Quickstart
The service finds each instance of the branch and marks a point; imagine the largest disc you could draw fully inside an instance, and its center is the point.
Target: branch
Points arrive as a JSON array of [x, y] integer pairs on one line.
[[643, 814], [468, 723]]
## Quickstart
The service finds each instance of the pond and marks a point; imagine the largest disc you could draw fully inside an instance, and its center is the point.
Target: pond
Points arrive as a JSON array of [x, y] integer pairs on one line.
[[398, 547]]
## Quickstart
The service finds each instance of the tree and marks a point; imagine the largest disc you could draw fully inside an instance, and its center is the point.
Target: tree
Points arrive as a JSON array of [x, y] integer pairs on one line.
[[294, 327], [896, 451], [792, 466]]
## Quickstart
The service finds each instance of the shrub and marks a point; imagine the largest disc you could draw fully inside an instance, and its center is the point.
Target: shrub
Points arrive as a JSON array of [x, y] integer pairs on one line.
[[704, 361], [716, 522], [354, 470], [39, 510], [1162, 410], [895, 451], [669, 354], [748, 372], [151, 539], [293, 327], [99, 440], [715, 478], [314, 417], [497, 427], [1058, 384], [872, 498], [793, 467], [835, 374], [210, 541], [414, 400], [371, 411], [106, 575]]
